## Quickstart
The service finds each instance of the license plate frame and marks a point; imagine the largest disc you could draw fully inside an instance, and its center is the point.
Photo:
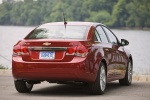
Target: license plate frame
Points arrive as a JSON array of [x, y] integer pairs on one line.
[[47, 55]]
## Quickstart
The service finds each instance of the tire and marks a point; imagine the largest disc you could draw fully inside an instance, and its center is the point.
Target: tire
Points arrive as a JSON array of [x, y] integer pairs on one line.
[[127, 80], [99, 86], [23, 86]]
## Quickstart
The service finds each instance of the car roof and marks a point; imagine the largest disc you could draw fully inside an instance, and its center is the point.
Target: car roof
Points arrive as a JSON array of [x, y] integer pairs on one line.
[[74, 23]]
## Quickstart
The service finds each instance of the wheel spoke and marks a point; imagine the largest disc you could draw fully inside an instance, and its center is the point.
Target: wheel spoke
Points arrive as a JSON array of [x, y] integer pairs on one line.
[[102, 78], [103, 84], [129, 72]]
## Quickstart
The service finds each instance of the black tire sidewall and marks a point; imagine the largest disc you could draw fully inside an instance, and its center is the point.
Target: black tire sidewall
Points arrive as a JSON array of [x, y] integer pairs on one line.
[[95, 87], [21, 86], [125, 80]]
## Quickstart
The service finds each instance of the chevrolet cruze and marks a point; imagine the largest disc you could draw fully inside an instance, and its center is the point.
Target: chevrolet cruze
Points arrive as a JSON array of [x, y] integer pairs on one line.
[[85, 52]]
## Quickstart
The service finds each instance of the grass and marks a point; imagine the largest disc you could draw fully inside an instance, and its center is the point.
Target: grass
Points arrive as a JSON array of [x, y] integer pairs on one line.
[[3, 67]]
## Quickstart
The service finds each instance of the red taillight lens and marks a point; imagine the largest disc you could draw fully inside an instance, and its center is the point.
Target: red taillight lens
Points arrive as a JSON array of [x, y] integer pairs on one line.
[[16, 49], [81, 51], [24, 49], [71, 50], [20, 50]]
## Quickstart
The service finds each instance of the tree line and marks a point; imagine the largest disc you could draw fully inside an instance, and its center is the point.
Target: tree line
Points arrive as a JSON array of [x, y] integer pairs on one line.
[[114, 13]]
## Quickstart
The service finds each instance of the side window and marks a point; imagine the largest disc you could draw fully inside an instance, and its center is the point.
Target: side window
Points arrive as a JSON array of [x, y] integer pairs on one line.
[[96, 37], [111, 36], [102, 34]]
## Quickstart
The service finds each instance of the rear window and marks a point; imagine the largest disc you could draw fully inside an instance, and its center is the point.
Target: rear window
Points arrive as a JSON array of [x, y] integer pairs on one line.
[[59, 32]]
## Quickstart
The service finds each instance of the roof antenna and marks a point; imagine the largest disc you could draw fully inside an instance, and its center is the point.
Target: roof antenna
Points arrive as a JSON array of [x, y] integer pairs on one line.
[[65, 22]]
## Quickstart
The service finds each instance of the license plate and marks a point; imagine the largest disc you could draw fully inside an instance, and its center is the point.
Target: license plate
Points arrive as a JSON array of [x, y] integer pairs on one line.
[[47, 55]]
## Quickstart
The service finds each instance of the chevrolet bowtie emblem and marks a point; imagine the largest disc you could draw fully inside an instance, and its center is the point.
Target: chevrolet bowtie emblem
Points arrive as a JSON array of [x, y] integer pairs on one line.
[[46, 44]]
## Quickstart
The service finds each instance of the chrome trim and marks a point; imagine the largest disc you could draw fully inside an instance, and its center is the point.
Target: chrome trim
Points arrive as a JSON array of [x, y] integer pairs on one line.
[[48, 48], [46, 44]]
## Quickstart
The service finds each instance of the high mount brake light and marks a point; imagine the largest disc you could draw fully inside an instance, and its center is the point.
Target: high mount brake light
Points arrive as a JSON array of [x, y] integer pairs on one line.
[[20, 50], [80, 51]]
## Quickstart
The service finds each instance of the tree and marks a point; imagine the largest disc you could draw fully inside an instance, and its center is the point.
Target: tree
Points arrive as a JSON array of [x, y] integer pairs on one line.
[[114, 13]]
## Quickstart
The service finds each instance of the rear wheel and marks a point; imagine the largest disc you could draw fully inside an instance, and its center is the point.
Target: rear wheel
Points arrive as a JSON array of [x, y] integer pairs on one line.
[[99, 86], [128, 77], [23, 86]]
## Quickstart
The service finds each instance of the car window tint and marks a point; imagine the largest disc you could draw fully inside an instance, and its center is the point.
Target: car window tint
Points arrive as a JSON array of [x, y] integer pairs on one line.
[[96, 36], [111, 36], [59, 32], [102, 34]]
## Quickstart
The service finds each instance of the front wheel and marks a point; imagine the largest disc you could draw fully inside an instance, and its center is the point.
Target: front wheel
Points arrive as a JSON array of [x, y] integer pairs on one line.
[[23, 86], [99, 86], [128, 76]]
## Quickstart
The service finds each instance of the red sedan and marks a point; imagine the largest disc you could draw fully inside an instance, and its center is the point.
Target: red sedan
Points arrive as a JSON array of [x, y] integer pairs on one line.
[[84, 52]]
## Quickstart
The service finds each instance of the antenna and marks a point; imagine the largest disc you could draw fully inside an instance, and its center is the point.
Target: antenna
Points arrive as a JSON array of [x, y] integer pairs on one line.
[[65, 22]]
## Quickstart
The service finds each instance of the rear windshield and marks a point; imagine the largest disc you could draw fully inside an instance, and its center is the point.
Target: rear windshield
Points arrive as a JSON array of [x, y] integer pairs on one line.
[[59, 32]]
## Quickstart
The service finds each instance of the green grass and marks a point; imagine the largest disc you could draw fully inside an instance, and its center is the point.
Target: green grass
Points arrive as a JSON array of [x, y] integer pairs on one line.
[[3, 67]]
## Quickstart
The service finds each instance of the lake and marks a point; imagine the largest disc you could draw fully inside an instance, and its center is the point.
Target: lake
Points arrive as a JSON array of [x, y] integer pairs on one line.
[[139, 45]]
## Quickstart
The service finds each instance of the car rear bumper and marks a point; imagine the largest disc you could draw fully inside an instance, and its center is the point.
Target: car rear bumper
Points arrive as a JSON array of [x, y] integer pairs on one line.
[[76, 70]]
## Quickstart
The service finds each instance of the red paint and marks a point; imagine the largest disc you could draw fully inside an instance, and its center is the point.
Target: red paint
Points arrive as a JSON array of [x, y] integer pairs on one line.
[[69, 64]]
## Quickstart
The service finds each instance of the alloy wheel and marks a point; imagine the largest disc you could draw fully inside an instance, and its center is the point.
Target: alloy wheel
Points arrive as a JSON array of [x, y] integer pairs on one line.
[[129, 72], [102, 78]]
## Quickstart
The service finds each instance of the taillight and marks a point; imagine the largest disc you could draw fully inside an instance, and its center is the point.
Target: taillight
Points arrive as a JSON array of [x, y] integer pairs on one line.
[[20, 50], [24, 49], [16, 49], [71, 51], [80, 51]]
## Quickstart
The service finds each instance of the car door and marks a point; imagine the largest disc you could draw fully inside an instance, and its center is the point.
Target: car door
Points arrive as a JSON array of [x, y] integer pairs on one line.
[[118, 57], [108, 52]]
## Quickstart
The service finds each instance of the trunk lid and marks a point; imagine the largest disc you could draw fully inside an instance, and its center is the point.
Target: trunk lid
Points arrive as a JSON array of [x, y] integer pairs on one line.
[[45, 50]]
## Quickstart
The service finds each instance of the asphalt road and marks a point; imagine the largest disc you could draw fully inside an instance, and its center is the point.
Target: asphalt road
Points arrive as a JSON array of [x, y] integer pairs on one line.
[[46, 91]]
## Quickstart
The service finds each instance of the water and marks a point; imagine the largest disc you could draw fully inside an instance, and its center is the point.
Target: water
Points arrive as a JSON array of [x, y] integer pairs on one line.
[[139, 45], [9, 35]]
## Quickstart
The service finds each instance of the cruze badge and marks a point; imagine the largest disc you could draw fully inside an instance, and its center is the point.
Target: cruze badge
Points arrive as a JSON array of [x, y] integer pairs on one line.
[[46, 44]]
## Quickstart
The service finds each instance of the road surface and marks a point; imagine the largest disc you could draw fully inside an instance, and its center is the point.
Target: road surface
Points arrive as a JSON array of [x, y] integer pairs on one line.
[[46, 91]]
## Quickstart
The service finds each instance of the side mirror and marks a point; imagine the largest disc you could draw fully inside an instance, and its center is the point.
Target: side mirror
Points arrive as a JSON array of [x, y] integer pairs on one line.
[[124, 42]]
